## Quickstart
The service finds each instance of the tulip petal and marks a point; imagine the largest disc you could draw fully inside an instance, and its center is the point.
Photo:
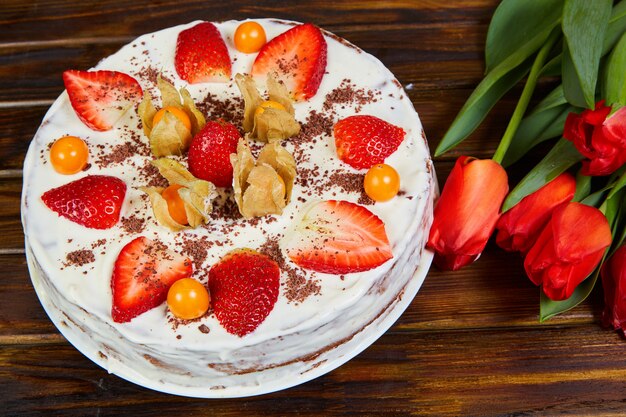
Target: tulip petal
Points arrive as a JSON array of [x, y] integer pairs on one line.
[[519, 227], [467, 211], [580, 230], [614, 284], [614, 127]]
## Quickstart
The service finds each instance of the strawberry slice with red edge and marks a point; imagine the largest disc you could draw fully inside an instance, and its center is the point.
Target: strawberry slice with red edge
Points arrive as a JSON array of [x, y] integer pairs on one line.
[[339, 237], [363, 141], [143, 273], [94, 201], [244, 288], [100, 98], [201, 55], [296, 57]]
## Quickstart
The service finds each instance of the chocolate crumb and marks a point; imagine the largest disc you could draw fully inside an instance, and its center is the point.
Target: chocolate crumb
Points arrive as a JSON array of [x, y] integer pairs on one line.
[[348, 95], [196, 250], [133, 224], [152, 176], [298, 287], [80, 257], [204, 328]]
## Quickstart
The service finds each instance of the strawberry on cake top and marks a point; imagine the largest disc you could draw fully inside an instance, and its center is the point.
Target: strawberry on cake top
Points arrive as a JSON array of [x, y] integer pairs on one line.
[[240, 176]]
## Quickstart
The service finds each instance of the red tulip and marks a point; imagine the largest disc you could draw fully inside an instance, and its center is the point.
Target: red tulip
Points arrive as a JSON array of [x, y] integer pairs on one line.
[[568, 249], [467, 211], [600, 139], [519, 227], [614, 283]]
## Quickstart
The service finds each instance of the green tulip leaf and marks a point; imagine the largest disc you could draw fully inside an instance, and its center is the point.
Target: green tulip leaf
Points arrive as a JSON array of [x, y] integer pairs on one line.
[[617, 26], [534, 129], [617, 186], [572, 88], [553, 67], [594, 199], [484, 97], [555, 98], [614, 86], [549, 308], [583, 186], [520, 25], [584, 26], [562, 156]]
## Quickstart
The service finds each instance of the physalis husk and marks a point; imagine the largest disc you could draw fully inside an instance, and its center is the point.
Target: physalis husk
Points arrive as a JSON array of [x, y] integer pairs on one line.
[[170, 135], [263, 186], [196, 194], [273, 122]]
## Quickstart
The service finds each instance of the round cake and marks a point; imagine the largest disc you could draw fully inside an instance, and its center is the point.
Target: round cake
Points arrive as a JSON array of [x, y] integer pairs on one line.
[[345, 265]]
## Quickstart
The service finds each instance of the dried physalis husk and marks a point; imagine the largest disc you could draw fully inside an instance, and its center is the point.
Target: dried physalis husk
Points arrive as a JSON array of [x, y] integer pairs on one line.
[[264, 186], [196, 194], [283, 163], [170, 136], [270, 123]]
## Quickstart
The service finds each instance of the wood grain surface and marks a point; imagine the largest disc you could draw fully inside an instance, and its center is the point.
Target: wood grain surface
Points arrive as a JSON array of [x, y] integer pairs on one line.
[[469, 344]]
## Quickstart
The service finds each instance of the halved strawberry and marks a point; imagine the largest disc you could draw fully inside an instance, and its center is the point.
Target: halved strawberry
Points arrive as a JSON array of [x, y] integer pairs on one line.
[[297, 57], [244, 288], [339, 237], [94, 201], [363, 141], [142, 275], [100, 98], [209, 152], [201, 55]]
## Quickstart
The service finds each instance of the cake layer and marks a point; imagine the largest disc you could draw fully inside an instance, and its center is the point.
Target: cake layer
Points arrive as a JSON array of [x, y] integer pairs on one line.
[[315, 314]]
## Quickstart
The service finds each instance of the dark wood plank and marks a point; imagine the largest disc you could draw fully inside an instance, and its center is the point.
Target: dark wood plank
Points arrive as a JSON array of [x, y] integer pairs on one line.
[[58, 19], [10, 223], [506, 372]]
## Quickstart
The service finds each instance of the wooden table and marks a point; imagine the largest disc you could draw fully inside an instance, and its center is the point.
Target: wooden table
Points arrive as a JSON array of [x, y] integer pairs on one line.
[[469, 344]]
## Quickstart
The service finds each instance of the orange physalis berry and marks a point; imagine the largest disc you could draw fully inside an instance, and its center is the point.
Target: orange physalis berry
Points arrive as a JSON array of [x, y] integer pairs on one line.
[[249, 37], [69, 155], [175, 204], [188, 299], [176, 112], [268, 104], [381, 182]]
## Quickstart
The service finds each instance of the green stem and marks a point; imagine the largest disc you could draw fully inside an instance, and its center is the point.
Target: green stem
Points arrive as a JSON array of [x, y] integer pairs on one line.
[[527, 93]]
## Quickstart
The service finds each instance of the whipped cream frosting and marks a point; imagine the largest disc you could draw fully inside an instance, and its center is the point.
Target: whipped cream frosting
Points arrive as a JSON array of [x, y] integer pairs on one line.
[[316, 316]]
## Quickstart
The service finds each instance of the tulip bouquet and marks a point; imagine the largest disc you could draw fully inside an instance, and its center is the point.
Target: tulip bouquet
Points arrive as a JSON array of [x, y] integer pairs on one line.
[[566, 216]]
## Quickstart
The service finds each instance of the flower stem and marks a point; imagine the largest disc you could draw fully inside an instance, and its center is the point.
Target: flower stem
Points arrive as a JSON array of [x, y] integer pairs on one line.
[[527, 93]]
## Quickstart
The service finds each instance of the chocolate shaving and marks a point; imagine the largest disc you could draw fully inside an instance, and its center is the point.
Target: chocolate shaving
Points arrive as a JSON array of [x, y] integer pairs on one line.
[[297, 287], [80, 257]]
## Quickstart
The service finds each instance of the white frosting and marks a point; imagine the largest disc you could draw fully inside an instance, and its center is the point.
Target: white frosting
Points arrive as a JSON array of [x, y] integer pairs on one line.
[[296, 338]]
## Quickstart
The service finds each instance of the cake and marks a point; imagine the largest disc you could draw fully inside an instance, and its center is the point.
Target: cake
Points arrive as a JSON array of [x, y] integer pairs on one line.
[[319, 317]]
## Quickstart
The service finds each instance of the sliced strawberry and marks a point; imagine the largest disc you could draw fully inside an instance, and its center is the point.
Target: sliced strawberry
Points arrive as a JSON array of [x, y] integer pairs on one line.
[[201, 55], [244, 288], [363, 141], [297, 57], [100, 98], [142, 275], [339, 237], [94, 201], [209, 153]]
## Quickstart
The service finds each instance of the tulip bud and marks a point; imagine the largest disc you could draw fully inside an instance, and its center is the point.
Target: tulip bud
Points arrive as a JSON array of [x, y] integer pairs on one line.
[[614, 284], [568, 249], [600, 139], [467, 211], [519, 227]]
